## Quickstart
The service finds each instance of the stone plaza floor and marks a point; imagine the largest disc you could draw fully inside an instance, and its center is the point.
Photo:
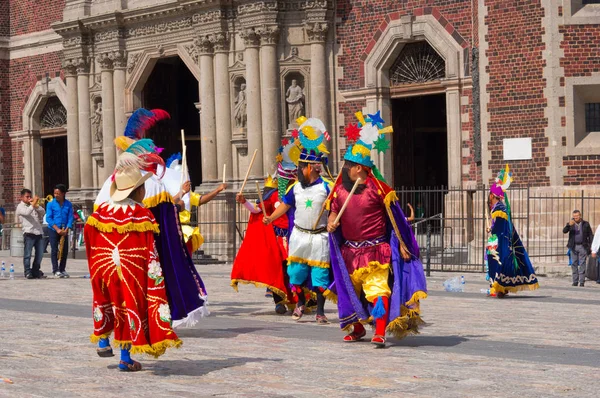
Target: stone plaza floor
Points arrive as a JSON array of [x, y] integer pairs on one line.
[[534, 344]]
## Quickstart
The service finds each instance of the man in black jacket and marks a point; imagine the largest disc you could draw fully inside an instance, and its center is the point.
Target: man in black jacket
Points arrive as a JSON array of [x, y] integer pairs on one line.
[[580, 243]]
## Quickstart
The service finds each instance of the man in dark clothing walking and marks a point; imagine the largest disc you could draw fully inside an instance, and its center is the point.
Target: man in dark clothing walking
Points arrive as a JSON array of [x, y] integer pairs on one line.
[[580, 243]]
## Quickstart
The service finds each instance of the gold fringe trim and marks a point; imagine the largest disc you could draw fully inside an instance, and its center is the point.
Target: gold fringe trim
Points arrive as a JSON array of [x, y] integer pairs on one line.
[[331, 296], [153, 201], [498, 288], [372, 267], [501, 214], [155, 350], [406, 324], [390, 198], [312, 263], [129, 227], [414, 300], [280, 293], [95, 339]]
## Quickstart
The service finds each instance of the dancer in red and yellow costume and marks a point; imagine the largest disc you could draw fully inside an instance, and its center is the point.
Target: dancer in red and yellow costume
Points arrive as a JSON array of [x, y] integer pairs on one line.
[[128, 286], [261, 259]]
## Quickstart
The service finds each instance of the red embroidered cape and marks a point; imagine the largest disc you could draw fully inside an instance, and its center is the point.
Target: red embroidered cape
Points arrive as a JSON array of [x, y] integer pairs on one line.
[[262, 254], [127, 283]]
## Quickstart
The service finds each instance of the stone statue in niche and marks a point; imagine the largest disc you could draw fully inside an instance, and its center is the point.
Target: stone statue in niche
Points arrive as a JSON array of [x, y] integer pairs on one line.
[[294, 97], [239, 111], [96, 119]]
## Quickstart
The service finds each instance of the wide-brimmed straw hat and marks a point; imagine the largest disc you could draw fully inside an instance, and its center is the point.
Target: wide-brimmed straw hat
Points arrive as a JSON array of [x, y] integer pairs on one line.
[[125, 182]]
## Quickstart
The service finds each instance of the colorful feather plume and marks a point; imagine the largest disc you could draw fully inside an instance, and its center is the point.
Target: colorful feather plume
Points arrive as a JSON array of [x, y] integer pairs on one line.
[[142, 146], [129, 160], [143, 119], [152, 161]]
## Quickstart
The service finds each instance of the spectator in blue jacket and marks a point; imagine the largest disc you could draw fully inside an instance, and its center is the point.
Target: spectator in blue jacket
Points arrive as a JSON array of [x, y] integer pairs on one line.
[[59, 215]]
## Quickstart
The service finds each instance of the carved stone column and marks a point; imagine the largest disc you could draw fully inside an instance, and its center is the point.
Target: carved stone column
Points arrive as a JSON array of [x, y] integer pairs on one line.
[[271, 109], [254, 107], [119, 64], [222, 106], [70, 68], [85, 134], [317, 36], [108, 115], [208, 130]]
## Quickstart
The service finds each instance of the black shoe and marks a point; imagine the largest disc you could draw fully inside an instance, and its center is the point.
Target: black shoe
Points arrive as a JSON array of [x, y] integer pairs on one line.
[[29, 276], [574, 283], [581, 285], [598, 282], [280, 309]]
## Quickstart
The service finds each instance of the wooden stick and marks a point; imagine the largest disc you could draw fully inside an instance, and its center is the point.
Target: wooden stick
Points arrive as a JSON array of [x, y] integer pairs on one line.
[[337, 219], [324, 203], [487, 218], [248, 172], [183, 158], [260, 198], [224, 170]]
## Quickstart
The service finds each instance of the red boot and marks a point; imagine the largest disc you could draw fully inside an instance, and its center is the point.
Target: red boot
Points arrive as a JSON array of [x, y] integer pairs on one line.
[[357, 334], [381, 323]]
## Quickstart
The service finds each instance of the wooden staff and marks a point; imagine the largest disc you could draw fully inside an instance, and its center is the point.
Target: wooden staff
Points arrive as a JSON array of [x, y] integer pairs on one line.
[[337, 219], [324, 203], [224, 170], [487, 219], [260, 198], [248, 172], [183, 159]]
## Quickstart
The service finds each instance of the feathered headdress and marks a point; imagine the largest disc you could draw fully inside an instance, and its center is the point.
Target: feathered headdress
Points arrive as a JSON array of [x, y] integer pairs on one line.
[[174, 161], [148, 162], [366, 135], [310, 137], [141, 120], [287, 164], [502, 182]]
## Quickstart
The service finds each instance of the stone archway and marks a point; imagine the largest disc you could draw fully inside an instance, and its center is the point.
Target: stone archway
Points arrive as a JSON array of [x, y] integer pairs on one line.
[[37, 117], [385, 51]]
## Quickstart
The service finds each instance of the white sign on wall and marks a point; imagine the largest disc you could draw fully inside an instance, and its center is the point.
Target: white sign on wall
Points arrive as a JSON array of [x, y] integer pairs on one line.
[[517, 149]]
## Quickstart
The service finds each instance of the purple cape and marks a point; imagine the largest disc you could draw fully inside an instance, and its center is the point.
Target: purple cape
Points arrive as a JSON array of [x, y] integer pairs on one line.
[[183, 283], [407, 283]]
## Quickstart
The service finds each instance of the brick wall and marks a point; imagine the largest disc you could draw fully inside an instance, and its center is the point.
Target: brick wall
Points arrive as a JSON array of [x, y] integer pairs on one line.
[[581, 58], [582, 170], [4, 18], [516, 85], [581, 49], [361, 23], [19, 77], [28, 16]]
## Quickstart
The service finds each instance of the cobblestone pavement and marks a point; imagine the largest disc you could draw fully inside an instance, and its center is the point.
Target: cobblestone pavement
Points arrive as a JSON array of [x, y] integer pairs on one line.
[[535, 344]]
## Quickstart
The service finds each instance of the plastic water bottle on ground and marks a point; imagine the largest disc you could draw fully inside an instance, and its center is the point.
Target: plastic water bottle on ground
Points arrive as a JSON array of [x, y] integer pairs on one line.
[[485, 291], [12, 271], [3, 271], [455, 285]]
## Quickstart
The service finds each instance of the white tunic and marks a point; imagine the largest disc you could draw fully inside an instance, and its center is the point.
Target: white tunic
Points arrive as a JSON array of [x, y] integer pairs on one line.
[[304, 247]]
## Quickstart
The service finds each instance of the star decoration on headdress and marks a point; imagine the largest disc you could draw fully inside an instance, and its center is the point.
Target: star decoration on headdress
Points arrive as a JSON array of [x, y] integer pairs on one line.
[[279, 158], [285, 141], [376, 119], [381, 144], [295, 133], [352, 132]]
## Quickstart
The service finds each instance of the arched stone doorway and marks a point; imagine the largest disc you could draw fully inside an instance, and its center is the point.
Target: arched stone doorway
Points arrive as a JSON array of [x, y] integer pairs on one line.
[[172, 87], [418, 108], [382, 93]]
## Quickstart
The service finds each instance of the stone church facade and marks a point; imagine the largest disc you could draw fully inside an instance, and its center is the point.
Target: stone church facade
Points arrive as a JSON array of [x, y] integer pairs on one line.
[[467, 85]]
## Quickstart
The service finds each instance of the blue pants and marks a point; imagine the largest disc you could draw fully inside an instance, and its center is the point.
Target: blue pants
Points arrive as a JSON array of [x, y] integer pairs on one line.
[[54, 241], [299, 274], [30, 241]]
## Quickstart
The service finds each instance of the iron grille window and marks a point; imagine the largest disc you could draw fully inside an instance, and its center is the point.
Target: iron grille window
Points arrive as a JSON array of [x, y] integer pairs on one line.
[[417, 63], [592, 117], [584, 2]]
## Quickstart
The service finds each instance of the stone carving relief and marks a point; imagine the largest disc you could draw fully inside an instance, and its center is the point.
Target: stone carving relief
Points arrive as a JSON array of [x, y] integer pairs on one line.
[[162, 27], [268, 34], [96, 120], [192, 51], [294, 96], [240, 105], [316, 31], [54, 114], [132, 61], [206, 17], [250, 37]]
